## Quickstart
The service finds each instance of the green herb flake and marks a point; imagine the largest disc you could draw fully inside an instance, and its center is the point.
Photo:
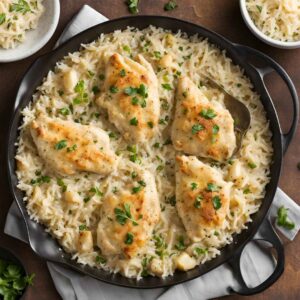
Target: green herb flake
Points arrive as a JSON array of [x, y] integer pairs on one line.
[[157, 54], [216, 202], [113, 89], [133, 6], [82, 227], [2, 18], [123, 215], [135, 101], [197, 203], [122, 73], [167, 86], [208, 113], [134, 121], [61, 145], [82, 96], [180, 243], [170, 5], [21, 6], [194, 185], [64, 111], [129, 238], [95, 89], [197, 251], [62, 184], [211, 187], [100, 259], [196, 128], [150, 124], [134, 175], [72, 148], [283, 220], [252, 165], [259, 8], [126, 49]]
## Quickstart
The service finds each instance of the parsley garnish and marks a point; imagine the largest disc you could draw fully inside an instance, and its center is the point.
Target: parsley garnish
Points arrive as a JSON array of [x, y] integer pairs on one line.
[[71, 149], [283, 220], [252, 165], [211, 187], [62, 184], [215, 131], [60, 145], [196, 128], [157, 54], [40, 180], [21, 6], [126, 48], [133, 6], [208, 113], [180, 244], [82, 227], [122, 73], [199, 251], [134, 121], [64, 111], [170, 5], [138, 188], [160, 245], [150, 124], [123, 215], [100, 259], [167, 86], [259, 8], [197, 202], [82, 96], [13, 280], [2, 18], [128, 238], [216, 202], [194, 185], [113, 89], [95, 89]]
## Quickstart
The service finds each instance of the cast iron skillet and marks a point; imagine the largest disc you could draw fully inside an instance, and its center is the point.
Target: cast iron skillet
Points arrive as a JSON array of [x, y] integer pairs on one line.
[[46, 247]]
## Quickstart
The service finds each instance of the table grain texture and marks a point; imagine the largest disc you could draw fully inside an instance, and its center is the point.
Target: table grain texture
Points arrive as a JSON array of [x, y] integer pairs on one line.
[[222, 16]]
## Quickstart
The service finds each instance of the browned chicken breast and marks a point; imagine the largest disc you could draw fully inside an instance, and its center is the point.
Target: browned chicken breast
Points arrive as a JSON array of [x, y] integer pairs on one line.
[[130, 96], [68, 147], [200, 127], [202, 196], [129, 217]]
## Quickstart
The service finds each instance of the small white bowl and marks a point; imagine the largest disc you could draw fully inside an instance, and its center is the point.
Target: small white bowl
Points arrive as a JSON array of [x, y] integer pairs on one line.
[[37, 38], [263, 37]]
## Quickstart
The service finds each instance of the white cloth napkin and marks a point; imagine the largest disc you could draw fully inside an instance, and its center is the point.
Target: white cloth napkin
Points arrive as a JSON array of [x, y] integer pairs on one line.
[[256, 264]]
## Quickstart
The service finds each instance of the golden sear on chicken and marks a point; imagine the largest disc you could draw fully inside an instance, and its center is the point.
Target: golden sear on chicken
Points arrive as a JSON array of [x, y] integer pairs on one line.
[[200, 127], [202, 196], [129, 216], [130, 96], [68, 147]]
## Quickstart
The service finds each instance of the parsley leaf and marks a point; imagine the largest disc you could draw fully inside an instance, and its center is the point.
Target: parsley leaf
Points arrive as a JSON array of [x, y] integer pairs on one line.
[[113, 89], [2, 18], [128, 238], [167, 86], [216, 202], [82, 96], [123, 215], [122, 73], [283, 220], [170, 5], [134, 121], [100, 259], [252, 165], [133, 6], [208, 113], [194, 185], [259, 8], [180, 244], [211, 187], [60, 145], [196, 128], [21, 6], [197, 203]]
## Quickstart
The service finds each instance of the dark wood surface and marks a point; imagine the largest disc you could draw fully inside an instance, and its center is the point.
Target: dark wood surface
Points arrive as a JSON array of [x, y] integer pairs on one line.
[[222, 16]]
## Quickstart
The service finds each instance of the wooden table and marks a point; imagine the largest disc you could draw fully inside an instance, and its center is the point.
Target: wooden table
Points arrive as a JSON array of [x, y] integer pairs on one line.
[[222, 16]]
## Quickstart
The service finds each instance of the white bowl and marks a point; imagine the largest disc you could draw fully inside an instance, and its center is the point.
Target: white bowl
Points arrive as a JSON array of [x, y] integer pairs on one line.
[[37, 38], [263, 37]]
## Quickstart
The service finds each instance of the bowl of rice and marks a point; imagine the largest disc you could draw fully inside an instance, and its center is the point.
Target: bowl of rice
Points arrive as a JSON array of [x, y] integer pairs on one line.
[[275, 22]]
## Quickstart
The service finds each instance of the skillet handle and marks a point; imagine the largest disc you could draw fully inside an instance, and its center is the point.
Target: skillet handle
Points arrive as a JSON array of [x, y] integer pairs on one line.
[[269, 235], [271, 65]]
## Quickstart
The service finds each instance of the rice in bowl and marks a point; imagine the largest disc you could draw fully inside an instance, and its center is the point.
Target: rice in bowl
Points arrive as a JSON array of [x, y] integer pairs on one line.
[[169, 248]]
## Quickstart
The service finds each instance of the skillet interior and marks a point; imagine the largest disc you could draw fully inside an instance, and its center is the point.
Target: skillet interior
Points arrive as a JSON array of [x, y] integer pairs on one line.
[[33, 78]]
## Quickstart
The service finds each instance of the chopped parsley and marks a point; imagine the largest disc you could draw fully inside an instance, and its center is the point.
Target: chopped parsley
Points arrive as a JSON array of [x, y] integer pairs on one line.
[[208, 113], [252, 165], [160, 245], [259, 8], [62, 184], [122, 73], [170, 5], [21, 6], [180, 243], [82, 227], [167, 86], [64, 111], [215, 131], [134, 174], [134, 121], [82, 96], [150, 124], [216, 202], [283, 220], [157, 54], [123, 215], [113, 89], [128, 238], [196, 128], [138, 188], [197, 203], [211, 187], [100, 259], [133, 6], [40, 180], [199, 251], [246, 191], [95, 90], [194, 185], [2, 18], [126, 49], [61, 145], [71, 149], [96, 191]]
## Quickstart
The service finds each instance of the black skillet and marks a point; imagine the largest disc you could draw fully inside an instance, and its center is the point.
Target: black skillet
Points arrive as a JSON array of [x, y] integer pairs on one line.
[[247, 58]]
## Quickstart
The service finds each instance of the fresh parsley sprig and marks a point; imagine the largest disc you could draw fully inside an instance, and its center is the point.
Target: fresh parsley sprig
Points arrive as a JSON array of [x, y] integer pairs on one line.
[[122, 215]]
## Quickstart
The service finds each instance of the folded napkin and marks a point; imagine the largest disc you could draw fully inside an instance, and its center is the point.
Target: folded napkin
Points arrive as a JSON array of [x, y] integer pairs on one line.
[[256, 264]]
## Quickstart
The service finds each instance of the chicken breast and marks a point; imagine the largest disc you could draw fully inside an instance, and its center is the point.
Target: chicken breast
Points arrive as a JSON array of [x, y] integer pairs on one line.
[[68, 147], [201, 127], [202, 197], [129, 216], [130, 95]]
